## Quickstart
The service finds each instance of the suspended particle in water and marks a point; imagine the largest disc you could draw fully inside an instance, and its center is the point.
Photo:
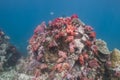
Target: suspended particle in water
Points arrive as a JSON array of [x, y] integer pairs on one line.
[[51, 13]]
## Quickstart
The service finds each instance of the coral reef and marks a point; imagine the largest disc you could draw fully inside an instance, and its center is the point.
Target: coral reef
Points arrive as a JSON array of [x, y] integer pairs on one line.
[[66, 48], [8, 53], [63, 49]]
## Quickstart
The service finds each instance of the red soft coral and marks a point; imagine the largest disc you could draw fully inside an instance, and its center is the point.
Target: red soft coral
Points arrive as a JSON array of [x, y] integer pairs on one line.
[[69, 39], [70, 30], [88, 43]]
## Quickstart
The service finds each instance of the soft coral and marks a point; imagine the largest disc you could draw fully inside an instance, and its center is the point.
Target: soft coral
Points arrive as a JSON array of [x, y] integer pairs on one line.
[[81, 59], [40, 28], [70, 30], [62, 54]]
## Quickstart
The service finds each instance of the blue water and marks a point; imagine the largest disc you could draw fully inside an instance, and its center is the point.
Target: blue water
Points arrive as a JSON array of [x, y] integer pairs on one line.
[[18, 18]]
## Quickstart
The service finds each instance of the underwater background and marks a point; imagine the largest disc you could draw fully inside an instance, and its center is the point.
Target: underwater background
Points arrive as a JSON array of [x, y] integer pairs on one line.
[[18, 18]]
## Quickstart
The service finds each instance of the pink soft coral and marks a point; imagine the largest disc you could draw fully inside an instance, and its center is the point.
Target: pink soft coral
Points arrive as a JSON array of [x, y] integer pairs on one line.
[[62, 66], [86, 56], [93, 63], [40, 28], [117, 74], [81, 59], [92, 34], [69, 39], [74, 16], [88, 28], [62, 54], [72, 47]]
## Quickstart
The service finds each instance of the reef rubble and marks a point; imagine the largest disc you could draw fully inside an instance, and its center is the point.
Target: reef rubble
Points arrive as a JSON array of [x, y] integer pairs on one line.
[[67, 49]]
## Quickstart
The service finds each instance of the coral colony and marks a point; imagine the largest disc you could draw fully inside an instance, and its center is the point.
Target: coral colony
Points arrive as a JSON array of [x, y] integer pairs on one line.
[[67, 46], [63, 49], [8, 53]]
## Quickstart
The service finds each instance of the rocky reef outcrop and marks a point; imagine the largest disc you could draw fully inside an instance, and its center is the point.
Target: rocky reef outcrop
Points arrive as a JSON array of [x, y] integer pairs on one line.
[[67, 49], [8, 53]]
